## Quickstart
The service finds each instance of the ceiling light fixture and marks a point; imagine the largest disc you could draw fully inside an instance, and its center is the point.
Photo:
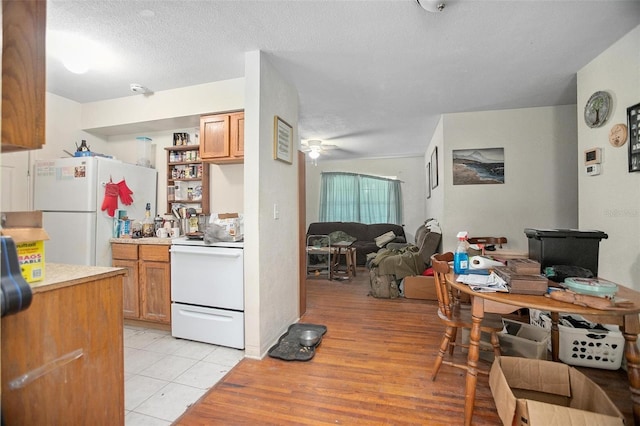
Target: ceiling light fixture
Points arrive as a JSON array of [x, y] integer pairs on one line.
[[432, 6], [77, 53], [314, 154], [139, 88]]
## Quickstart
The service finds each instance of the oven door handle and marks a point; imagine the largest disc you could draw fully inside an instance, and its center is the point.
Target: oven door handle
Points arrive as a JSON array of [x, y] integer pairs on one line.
[[204, 251]]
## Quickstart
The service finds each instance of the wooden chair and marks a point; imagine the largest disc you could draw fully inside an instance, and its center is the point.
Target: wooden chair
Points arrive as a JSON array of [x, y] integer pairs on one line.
[[454, 316], [482, 242]]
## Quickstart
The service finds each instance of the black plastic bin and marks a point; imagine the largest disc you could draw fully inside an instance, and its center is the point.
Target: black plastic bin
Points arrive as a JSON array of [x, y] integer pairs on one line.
[[565, 247]]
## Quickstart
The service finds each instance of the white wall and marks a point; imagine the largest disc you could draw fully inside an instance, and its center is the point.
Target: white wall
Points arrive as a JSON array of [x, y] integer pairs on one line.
[[540, 189], [62, 133], [410, 170], [163, 107], [226, 182], [610, 202], [271, 244], [65, 120]]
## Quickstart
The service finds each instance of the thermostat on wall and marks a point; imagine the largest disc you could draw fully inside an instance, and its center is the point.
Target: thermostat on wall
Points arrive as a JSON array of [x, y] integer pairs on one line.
[[593, 169], [592, 156]]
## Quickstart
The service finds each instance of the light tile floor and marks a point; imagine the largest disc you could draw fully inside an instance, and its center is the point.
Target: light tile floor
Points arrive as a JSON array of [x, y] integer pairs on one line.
[[164, 375]]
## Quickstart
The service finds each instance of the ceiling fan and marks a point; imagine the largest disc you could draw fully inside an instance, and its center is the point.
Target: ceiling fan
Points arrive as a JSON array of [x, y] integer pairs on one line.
[[314, 147]]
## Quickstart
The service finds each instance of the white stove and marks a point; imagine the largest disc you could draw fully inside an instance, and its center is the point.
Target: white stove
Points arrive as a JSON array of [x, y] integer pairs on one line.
[[185, 241], [207, 291]]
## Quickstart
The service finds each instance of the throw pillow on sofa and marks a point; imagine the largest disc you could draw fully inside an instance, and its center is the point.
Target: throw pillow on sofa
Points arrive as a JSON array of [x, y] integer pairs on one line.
[[385, 238]]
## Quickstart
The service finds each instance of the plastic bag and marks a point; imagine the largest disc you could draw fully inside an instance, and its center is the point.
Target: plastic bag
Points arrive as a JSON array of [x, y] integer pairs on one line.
[[215, 234], [231, 224]]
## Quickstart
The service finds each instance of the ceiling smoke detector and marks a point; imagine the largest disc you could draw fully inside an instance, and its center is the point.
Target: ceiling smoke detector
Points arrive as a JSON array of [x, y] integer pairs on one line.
[[139, 88], [432, 6]]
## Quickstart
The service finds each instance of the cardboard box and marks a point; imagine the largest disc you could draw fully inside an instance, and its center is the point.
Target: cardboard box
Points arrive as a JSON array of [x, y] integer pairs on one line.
[[420, 287], [25, 228], [532, 392]]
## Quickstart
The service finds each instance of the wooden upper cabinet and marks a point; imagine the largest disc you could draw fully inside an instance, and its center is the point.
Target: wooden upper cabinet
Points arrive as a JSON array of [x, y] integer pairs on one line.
[[236, 121], [23, 74], [222, 138]]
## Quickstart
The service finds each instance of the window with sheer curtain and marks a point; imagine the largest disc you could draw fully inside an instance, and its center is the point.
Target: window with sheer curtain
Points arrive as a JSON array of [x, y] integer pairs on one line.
[[352, 197]]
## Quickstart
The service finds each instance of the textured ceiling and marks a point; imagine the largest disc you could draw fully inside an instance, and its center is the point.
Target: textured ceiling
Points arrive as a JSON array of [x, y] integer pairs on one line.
[[372, 76]]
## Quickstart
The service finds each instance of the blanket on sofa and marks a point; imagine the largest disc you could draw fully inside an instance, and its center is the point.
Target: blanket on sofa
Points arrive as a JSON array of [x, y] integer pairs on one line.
[[409, 260], [401, 262]]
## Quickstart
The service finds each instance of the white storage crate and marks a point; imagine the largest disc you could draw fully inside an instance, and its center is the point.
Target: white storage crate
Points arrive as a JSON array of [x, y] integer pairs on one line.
[[591, 348], [585, 347]]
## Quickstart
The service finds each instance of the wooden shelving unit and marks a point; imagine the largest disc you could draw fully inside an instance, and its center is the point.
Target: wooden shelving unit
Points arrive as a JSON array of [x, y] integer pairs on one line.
[[187, 178]]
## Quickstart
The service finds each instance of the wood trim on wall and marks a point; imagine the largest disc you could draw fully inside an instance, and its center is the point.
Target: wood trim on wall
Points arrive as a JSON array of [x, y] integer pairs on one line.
[[302, 231]]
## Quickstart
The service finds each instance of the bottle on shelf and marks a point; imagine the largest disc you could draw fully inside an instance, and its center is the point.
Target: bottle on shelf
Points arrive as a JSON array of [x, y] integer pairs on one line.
[[461, 257], [193, 223], [148, 228]]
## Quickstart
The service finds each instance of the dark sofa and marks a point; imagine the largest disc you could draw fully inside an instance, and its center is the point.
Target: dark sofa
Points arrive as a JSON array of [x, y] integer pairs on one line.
[[365, 235]]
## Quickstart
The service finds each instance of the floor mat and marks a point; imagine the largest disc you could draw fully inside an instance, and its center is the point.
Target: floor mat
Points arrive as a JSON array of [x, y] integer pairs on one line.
[[288, 347]]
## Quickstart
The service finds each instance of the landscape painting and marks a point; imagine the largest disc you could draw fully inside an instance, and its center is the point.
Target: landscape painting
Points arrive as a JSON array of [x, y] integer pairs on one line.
[[478, 166]]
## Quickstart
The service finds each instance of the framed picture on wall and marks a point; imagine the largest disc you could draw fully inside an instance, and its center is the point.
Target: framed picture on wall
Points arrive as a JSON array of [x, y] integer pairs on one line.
[[428, 180], [282, 140], [478, 166], [633, 126], [434, 168]]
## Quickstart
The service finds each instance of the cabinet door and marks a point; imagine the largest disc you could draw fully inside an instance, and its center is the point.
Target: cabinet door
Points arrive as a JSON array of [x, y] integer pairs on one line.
[[237, 134], [155, 291], [214, 137], [23, 74], [80, 319], [131, 299]]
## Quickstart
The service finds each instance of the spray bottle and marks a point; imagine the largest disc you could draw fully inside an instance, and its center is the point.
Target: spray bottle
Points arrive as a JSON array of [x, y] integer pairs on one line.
[[461, 257]]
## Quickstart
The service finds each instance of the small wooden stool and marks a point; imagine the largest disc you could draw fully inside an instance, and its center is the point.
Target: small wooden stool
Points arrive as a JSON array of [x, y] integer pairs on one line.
[[343, 248]]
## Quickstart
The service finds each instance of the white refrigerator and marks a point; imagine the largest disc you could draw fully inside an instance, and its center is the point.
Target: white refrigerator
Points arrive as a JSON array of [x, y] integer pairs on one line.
[[70, 192]]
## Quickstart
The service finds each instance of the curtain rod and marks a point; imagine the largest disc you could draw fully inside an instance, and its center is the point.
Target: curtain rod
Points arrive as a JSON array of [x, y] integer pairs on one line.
[[360, 174]]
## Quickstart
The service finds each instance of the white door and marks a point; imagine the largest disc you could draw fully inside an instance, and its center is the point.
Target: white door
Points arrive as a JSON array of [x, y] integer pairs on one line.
[[66, 184], [71, 237]]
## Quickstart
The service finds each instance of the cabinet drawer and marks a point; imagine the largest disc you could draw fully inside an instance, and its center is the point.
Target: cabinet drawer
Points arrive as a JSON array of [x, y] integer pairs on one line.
[[156, 253], [124, 251]]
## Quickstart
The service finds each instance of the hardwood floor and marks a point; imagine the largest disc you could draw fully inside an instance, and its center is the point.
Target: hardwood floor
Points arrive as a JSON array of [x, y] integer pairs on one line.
[[372, 367]]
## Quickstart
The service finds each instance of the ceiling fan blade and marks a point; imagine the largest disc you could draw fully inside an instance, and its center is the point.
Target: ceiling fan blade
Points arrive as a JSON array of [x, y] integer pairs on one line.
[[329, 146]]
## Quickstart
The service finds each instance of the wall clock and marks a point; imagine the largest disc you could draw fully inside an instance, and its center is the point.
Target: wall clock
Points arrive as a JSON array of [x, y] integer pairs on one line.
[[618, 135], [597, 109]]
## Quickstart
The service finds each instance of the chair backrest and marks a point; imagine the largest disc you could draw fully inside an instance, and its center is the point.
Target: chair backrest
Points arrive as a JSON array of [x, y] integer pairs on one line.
[[440, 265], [499, 241]]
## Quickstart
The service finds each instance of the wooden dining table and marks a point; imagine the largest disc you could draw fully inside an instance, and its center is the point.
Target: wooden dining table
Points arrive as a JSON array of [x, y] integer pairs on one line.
[[503, 303]]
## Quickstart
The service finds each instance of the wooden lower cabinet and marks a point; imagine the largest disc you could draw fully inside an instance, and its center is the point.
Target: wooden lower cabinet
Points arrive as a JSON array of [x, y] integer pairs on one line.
[[155, 291], [131, 306], [147, 288], [62, 358]]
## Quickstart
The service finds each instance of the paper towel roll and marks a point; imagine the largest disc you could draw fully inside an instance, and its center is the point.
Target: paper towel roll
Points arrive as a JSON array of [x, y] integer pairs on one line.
[[481, 262]]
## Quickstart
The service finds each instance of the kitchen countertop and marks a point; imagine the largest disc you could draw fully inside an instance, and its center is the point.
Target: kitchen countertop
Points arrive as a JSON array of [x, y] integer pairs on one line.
[[58, 275], [148, 240]]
